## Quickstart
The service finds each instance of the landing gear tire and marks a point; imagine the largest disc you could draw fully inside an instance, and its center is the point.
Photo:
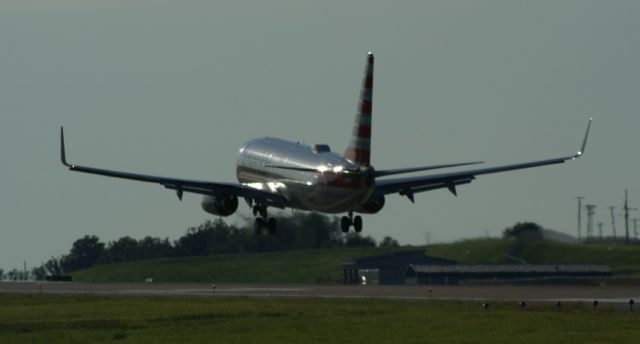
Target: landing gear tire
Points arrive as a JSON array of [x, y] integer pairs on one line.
[[272, 225], [262, 220], [357, 224], [259, 209], [259, 224], [345, 224]]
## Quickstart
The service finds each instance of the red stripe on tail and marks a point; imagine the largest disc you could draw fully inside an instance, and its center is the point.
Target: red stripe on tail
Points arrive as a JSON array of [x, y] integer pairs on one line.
[[359, 149]]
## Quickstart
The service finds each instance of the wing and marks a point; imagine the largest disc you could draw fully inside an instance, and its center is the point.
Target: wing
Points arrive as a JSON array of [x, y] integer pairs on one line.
[[183, 185], [411, 185]]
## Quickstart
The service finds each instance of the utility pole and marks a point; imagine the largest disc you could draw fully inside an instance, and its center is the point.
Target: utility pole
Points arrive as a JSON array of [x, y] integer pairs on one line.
[[591, 210], [600, 231], [613, 223], [626, 216], [579, 198]]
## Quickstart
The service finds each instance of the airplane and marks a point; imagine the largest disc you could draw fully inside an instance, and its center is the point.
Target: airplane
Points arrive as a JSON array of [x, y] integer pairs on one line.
[[276, 173]]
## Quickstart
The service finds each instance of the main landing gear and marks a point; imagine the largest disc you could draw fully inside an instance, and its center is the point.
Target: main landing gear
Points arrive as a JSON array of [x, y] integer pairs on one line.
[[264, 221], [348, 221]]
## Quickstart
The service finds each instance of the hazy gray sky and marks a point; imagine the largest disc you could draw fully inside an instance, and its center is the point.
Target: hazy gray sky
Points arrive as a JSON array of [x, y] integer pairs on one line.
[[175, 88]]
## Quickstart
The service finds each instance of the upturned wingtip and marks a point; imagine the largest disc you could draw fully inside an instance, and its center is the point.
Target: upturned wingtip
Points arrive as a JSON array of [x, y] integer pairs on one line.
[[63, 155], [584, 141]]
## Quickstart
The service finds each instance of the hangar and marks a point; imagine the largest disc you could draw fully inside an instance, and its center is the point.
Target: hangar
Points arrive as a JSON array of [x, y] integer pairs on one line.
[[414, 267], [386, 268], [458, 274]]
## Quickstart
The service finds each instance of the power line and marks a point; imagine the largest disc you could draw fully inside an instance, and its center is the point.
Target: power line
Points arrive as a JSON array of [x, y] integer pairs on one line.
[[613, 222], [600, 230], [579, 198], [591, 210], [626, 215]]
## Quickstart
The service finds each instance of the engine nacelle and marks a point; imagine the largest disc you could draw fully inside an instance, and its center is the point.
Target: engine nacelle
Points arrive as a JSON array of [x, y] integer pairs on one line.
[[373, 205], [221, 205]]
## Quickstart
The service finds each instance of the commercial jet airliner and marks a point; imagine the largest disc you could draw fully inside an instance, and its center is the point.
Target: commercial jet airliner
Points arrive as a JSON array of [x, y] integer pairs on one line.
[[282, 174]]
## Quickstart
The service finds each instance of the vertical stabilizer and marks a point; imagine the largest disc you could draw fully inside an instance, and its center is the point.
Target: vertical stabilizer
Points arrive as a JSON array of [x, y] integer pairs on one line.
[[359, 149]]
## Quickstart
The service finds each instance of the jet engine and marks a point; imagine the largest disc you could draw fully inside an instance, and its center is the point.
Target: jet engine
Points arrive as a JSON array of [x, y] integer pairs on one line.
[[221, 205], [373, 205]]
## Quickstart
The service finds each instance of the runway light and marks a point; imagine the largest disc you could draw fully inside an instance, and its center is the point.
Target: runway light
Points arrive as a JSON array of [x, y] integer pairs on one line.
[[429, 290], [558, 304], [485, 305], [523, 304], [631, 302], [595, 303]]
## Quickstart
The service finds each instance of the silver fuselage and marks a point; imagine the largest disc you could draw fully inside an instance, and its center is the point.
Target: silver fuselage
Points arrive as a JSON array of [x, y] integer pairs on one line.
[[328, 190]]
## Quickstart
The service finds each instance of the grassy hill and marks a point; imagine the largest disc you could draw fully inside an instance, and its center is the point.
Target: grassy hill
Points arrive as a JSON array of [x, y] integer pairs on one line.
[[323, 266], [619, 257], [307, 266]]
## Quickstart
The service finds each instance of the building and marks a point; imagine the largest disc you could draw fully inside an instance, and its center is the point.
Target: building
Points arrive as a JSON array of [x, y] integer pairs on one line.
[[386, 268], [458, 274]]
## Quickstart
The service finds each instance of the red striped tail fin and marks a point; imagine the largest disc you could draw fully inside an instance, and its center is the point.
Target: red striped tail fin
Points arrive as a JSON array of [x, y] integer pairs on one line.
[[359, 149]]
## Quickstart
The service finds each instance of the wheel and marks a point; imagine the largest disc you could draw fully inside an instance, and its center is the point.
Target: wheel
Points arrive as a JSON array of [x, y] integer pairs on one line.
[[357, 224], [272, 225], [345, 224], [259, 224]]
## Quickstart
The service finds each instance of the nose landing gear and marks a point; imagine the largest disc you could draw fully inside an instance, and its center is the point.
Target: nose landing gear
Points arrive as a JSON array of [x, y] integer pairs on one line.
[[348, 221]]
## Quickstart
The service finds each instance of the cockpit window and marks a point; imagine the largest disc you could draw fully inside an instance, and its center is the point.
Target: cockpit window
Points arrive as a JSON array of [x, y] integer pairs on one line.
[[320, 149]]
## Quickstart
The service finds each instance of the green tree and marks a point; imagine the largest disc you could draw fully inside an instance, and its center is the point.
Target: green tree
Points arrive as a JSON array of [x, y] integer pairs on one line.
[[530, 229], [13, 274], [388, 241], [39, 273], [153, 248], [125, 249], [54, 267], [84, 253], [357, 240], [196, 241]]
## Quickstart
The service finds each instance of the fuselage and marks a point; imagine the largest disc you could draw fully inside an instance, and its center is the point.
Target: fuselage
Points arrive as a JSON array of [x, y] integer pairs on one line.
[[310, 177]]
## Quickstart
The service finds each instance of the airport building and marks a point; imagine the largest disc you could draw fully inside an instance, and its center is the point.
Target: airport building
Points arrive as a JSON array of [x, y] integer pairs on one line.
[[386, 268], [414, 267], [459, 274]]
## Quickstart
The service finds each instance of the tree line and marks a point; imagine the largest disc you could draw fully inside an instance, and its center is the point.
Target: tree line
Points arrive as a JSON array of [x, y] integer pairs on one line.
[[296, 232]]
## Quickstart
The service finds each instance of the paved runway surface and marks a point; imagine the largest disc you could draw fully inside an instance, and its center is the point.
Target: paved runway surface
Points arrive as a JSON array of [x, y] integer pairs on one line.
[[500, 292]]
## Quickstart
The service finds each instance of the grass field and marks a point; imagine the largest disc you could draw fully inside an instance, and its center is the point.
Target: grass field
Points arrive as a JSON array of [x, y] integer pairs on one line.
[[308, 266], [323, 266], [82, 319], [475, 251]]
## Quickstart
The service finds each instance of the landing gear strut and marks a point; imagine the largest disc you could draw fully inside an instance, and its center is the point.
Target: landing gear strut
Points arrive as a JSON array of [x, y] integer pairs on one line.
[[264, 221], [348, 221]]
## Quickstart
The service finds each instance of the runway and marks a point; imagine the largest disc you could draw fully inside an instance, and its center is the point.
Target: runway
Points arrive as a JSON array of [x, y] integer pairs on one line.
[[612, 294]]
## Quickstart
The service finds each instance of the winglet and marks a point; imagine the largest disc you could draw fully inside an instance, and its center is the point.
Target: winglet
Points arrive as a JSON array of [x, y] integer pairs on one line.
[[63, 156], [584, 141]]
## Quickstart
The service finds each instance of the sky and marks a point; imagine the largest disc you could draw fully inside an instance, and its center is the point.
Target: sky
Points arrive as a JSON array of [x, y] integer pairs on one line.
[[175, 88]]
